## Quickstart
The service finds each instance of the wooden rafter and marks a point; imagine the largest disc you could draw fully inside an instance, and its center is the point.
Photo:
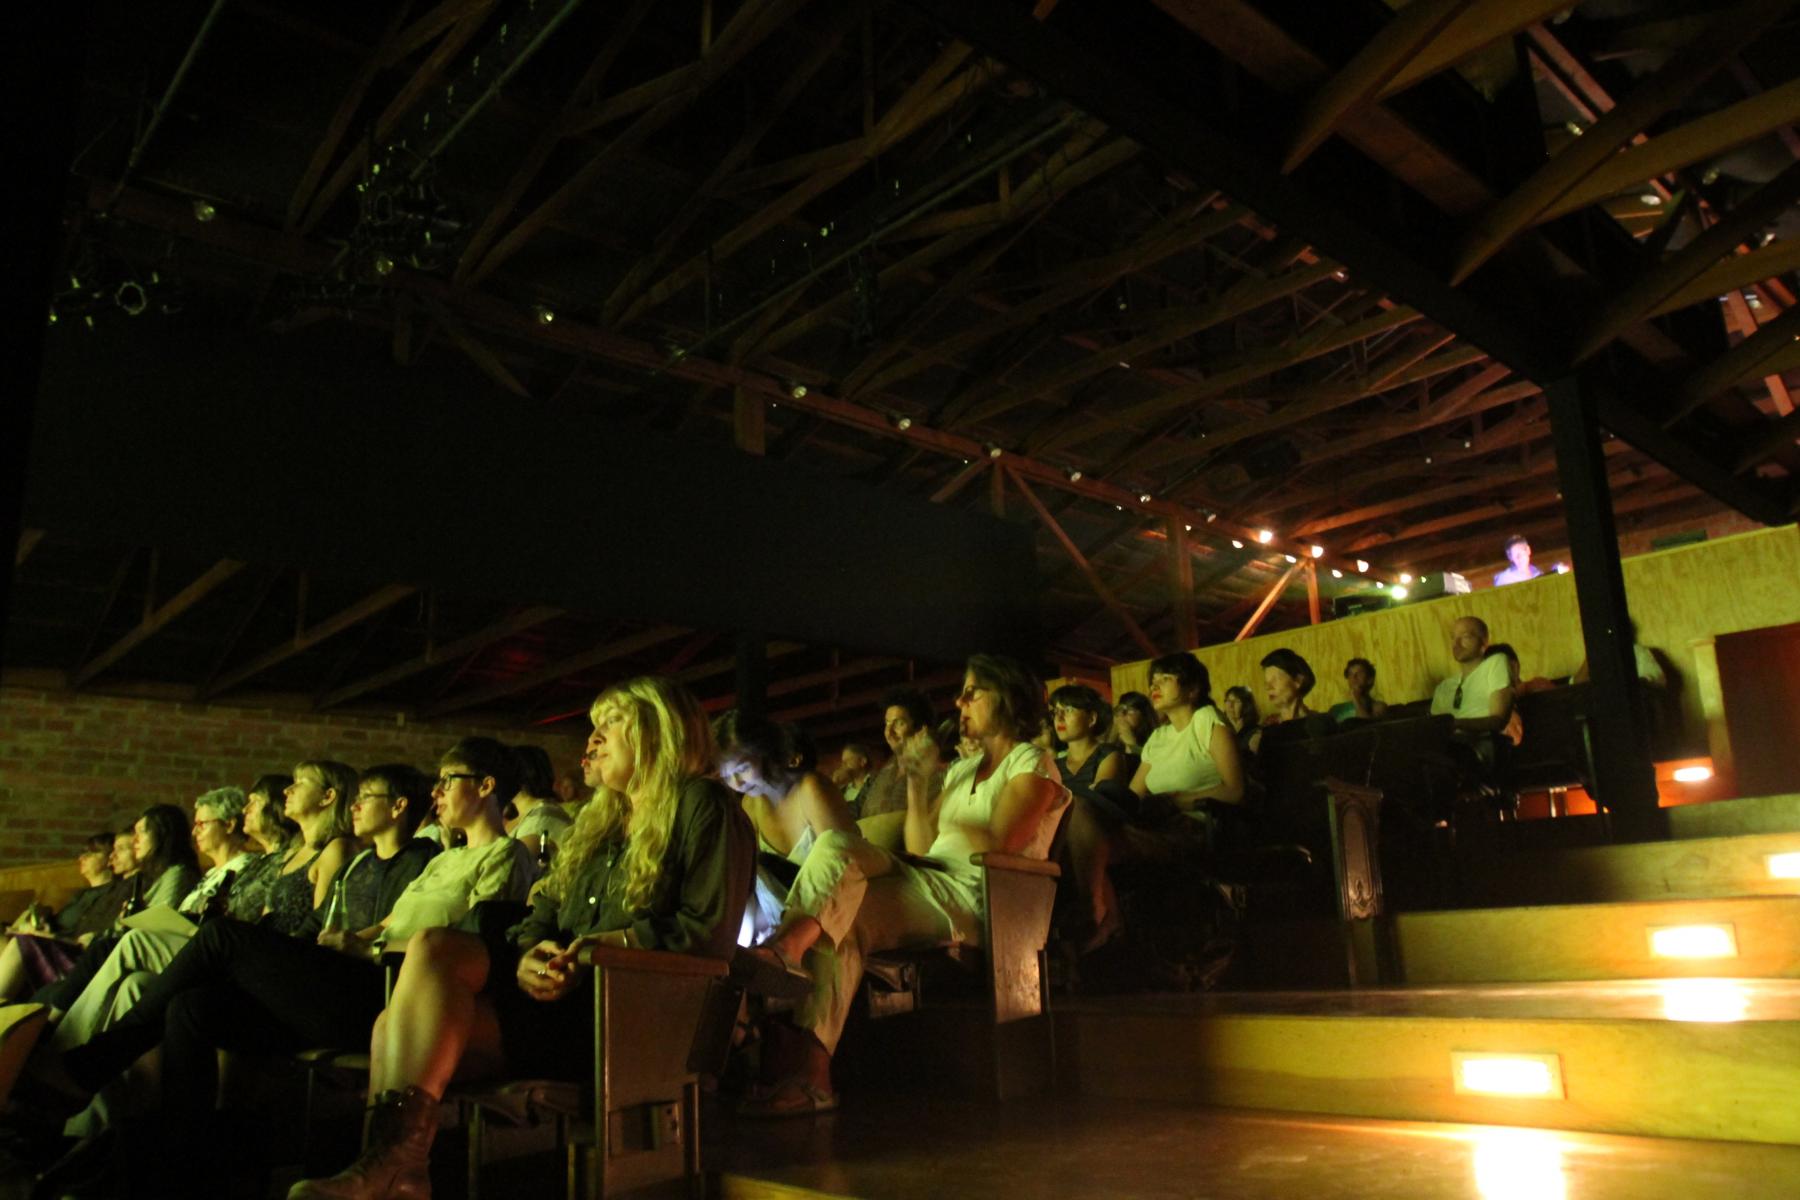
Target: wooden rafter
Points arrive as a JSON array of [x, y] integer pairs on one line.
[[549, 137], [1081, 562], [1402, 40], [748, 28], [1579, 159], [158, 619], [622, 648], [471, 643], [1755, 355], [1266, 603], [800, 683], [378, 601], [1737, 271]]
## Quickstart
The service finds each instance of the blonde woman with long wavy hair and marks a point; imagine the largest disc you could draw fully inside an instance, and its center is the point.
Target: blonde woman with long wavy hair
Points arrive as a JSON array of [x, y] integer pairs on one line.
[[660, 859]]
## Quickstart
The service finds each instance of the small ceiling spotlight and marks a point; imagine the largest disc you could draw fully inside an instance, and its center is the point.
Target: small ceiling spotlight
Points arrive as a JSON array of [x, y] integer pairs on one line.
[[903, 423], [1398, 592], [994, 451], [1264, 536], [544, 313], [1574, 128], [1236, 545], [1143, 497], [797, 390], [1362, 566], [204, 211], [1290, 558], [1341, 275], [1074, 474], [1316, 551], [1211, 516], [1189, 528], [1336, 574], [382, 264], [1405, 577], [1650, 200]]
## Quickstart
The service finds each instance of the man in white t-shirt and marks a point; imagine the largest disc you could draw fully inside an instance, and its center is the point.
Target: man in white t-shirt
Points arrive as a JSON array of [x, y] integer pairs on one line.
[[1480, 694]]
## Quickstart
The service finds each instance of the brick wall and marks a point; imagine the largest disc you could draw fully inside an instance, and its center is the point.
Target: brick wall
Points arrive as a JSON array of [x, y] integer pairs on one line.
[[74, 764]]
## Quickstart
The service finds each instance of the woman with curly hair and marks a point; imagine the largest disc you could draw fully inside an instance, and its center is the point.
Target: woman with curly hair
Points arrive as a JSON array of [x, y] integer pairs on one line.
[[660, 859]]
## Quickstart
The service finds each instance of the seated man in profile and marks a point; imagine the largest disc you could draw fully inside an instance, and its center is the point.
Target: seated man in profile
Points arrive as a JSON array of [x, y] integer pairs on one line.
[[1480, 694], [905, 712]]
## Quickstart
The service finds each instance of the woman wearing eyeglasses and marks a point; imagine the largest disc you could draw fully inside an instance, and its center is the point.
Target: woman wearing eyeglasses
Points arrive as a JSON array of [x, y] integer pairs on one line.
[[852, 898], [247, 988]]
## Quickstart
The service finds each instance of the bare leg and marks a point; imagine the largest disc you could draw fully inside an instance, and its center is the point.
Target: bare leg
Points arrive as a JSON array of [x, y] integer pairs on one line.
[[795, 937], [12, 973], [377, 1053], [435, 1018], [1090, 852]]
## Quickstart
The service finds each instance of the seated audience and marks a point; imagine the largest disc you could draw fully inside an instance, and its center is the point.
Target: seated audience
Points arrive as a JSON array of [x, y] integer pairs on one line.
[[40, 946], [788, 802], [668, 853], [1514, 729], [536, 816], [167, 866], [855, 768], [1082, 719], [1359, 679], [853, 898], [246, 988], [906, 713], [391, 800], [1190, 777], [274, 834], [571, 793], [1241, 714], [1287, 680], [1519, 568], [1480, 694]]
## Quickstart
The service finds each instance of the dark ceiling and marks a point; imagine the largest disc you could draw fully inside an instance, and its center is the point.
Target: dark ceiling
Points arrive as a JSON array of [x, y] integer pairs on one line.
[[1150, 275]]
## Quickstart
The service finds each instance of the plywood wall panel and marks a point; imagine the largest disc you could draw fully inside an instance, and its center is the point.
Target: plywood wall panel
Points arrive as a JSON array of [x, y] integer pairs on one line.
[[1677, 596]]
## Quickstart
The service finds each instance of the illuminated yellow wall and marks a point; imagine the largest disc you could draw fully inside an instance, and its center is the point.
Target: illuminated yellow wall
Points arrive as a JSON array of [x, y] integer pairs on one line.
[[1724, 586]]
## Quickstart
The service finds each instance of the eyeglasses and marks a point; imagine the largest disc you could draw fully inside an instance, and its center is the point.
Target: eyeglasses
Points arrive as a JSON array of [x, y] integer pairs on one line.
[[449, 777], [1066, 710], [373, 796]]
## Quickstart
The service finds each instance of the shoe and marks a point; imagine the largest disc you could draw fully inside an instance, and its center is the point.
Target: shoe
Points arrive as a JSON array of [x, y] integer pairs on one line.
[[397, 1163], [795, 1096], [762, 971], [20, 1027]]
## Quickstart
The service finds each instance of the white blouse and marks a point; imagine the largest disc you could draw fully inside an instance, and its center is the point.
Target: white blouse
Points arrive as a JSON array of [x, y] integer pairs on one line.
[[1181, 760]]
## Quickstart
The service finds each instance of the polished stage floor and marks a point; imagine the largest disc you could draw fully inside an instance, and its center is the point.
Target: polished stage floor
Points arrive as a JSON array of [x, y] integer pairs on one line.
[[901, 1147]]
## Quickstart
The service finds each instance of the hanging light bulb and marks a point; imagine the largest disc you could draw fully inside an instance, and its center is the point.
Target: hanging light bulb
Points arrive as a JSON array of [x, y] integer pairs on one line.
[[1264, 536]]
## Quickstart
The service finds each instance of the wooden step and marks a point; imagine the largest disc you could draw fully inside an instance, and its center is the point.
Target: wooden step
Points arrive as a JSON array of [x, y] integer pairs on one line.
[[1670, 1058], [1686, 868], [1731, 818], [1545, 943]]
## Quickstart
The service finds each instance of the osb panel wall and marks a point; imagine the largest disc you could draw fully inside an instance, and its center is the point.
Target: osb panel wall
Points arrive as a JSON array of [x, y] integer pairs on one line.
[[1750, 581], [74, 764]]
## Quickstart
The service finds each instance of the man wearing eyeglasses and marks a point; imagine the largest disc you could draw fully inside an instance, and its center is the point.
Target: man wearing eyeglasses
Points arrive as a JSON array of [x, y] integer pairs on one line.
[[1480, 694]]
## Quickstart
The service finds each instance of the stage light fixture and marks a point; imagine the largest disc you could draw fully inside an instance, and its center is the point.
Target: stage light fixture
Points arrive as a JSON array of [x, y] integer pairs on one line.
[[1397, 592], [382, 264], [1074, 474], [1405, 577], [1650, 199], [1264, 536], [902, 423], [1316, 551], [1336, 574], [1785, 865], [1694, 774], [1523, 1076], [544, 313], [1693, 941], [1189, 528], [1290, 558], [1362, 566], [1143, 497], [797, 390], [994, 451], [1211, 516], [204, 212], [1236, 545]]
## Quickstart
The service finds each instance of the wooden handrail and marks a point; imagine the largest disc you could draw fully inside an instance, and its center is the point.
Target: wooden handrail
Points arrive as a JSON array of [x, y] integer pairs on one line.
[[1016, 862], [663, 962]]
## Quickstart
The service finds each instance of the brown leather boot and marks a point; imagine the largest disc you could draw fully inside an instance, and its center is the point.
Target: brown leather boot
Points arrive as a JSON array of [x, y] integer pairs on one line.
[[397, 1163]]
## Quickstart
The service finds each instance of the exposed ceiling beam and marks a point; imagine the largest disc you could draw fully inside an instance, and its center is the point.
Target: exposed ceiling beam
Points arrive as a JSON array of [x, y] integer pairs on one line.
[[561, 669], [158, 619], [505, 627], [378, 601]]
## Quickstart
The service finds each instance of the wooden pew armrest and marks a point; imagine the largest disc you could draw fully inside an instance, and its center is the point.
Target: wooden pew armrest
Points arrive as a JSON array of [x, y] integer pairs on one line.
[[660, 962], [995, 861]]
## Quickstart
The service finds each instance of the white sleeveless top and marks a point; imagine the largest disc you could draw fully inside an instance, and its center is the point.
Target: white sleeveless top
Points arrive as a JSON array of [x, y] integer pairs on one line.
[[1181, 761], [968, 801]]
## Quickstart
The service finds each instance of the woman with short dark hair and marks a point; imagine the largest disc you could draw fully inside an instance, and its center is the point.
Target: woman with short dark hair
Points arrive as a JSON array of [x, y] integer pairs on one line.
[[1287, 680], [853, 898]]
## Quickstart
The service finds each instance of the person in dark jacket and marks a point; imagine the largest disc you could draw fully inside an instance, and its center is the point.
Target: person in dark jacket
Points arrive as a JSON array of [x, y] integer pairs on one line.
[[660, 859]]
